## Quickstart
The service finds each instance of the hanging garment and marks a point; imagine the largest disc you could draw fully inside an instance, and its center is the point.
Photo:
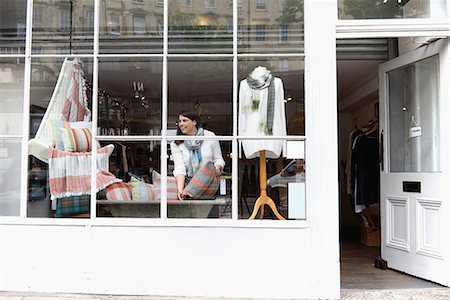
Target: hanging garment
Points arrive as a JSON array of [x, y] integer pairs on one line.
[[365, 172], [255, 118]]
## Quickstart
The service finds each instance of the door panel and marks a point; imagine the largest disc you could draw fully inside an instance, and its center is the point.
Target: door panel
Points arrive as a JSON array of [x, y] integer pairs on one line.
[[414, 192]]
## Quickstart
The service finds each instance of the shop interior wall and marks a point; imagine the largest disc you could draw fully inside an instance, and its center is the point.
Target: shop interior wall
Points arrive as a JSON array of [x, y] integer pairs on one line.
[[167, 261]]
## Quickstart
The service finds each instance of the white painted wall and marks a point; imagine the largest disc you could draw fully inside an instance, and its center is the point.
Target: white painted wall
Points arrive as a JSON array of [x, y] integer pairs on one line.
[[169, 261]]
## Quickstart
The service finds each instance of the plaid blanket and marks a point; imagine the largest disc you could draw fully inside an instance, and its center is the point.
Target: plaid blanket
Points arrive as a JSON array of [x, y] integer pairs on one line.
[[204, 184], [73, 206], [69, 172]]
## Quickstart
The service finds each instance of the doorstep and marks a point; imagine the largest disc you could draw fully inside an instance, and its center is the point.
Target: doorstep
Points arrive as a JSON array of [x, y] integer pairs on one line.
[[410, 294]]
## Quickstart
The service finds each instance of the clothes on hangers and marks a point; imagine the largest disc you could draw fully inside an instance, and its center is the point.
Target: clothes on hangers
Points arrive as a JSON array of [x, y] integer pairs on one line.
[[365, 171]]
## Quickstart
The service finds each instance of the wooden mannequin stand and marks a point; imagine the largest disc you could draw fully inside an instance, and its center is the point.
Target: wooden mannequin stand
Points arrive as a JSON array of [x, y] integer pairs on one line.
[[263, 199]]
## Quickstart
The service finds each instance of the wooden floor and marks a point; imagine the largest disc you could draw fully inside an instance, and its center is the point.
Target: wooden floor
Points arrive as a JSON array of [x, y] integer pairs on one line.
[[358, 271]]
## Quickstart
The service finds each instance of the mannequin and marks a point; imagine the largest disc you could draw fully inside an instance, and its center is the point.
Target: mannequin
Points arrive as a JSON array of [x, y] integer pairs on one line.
[[262, 113]]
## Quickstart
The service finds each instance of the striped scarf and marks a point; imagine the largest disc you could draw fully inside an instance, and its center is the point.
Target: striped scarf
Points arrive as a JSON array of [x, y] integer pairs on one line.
[[261, 78], [194, 152]]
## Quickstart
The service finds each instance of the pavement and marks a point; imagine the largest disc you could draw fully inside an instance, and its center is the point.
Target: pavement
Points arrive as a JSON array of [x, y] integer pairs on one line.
[[353, 294]]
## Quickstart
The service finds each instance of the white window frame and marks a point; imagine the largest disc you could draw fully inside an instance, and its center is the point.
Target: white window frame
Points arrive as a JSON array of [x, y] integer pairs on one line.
[[186, 3], [322, 167], [141, 31], [210, 3], [260, 32], [64, 18], [283, 33], [261, 4], [115, 25], [37, 16]]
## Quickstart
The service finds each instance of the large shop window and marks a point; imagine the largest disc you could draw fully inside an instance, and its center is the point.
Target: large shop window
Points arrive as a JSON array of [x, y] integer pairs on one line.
[[392, 9], [187, 126]]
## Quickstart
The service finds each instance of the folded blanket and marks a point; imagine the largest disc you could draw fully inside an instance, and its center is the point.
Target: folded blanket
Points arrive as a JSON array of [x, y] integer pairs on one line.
[[69, 172]]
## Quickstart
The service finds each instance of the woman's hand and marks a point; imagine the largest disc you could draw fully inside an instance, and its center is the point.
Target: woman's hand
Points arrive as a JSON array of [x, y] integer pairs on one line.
[[218, 169]]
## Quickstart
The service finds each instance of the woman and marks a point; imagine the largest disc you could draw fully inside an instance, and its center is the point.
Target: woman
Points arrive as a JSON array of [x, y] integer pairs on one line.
[[189, 155]]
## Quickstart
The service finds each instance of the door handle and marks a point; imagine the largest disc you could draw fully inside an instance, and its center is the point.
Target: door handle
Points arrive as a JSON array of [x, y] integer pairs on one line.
[[381, 150]]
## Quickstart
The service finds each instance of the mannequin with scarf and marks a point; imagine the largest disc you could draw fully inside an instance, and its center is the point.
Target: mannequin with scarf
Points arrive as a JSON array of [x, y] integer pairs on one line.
[[262, 113], [189, 155]]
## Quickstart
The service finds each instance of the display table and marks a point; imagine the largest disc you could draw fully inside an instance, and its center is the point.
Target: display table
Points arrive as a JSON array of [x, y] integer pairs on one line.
[[151, 209]]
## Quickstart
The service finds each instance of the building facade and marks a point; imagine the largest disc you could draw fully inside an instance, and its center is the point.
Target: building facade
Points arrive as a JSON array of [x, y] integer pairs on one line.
[[107, 81]]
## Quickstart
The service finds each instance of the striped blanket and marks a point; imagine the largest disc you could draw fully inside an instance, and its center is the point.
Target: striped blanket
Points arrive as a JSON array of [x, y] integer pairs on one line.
[[69, 172]]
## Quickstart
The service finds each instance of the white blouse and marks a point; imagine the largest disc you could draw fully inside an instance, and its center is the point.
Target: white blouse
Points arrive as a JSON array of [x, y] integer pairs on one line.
[[210, 151], [250, 120]]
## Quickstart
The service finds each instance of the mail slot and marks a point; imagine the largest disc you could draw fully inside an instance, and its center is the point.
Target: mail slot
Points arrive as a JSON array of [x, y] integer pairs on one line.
[[412, 186]]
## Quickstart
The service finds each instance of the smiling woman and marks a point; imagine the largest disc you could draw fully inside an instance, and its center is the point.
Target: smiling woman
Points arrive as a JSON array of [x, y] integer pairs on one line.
[[197, 162]]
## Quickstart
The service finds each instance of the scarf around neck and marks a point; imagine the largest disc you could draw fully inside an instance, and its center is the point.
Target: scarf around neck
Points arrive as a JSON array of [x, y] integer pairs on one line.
[[261, 78], [195, 156]]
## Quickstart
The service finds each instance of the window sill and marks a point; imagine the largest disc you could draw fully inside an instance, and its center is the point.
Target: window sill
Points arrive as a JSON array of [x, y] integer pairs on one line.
[[128, 222]]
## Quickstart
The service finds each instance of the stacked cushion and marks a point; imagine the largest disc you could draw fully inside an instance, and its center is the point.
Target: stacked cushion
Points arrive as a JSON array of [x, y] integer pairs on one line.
[[172, 192], [120, 191], [77, 139], [141, 191]]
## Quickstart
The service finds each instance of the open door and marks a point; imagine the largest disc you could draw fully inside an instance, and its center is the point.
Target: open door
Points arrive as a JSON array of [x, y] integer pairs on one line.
[[414, 133]]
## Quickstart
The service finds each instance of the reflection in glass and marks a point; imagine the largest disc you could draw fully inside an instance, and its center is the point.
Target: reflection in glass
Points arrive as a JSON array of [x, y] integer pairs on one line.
[[414, 117], [267, 26], [64, 27], [291, 72], [392, 9], [204, 86], [138, 196], [12, 26], [282, 179], [129, 96], [131, 26], [200, 26], [10, 152], [207, 192], [11, 85]]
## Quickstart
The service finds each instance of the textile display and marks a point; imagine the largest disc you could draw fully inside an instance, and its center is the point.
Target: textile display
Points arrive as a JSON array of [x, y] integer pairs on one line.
[[74, 205], [204, 184], [69, 172], [77, 139], [141, 191], [75, 106], [119, 191], [262, 113], [172, 192]]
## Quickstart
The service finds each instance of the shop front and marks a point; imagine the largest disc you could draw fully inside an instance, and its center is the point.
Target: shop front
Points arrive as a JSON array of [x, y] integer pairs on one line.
[[213, 128]]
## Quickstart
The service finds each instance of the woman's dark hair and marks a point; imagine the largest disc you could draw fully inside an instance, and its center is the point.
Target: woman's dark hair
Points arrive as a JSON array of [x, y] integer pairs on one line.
[[191, 115]]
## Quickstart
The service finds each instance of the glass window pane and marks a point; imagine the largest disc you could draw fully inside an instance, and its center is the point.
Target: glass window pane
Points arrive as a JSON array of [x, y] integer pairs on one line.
[[288, 100], [11, 86], [10, 158], [392, 9], [270, 26], [138, 196], [266, 177], [51, 85], [131, 27], [201, 177], [205, 86], [12, 26], [64, 27], [197, 28], [414, 117], [129, 96]]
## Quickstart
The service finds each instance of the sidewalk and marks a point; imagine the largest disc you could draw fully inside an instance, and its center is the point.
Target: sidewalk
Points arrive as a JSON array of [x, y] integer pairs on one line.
[[400, 294]]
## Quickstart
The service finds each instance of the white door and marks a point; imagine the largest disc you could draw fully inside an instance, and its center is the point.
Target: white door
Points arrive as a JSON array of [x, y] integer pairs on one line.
[[414, 130]]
